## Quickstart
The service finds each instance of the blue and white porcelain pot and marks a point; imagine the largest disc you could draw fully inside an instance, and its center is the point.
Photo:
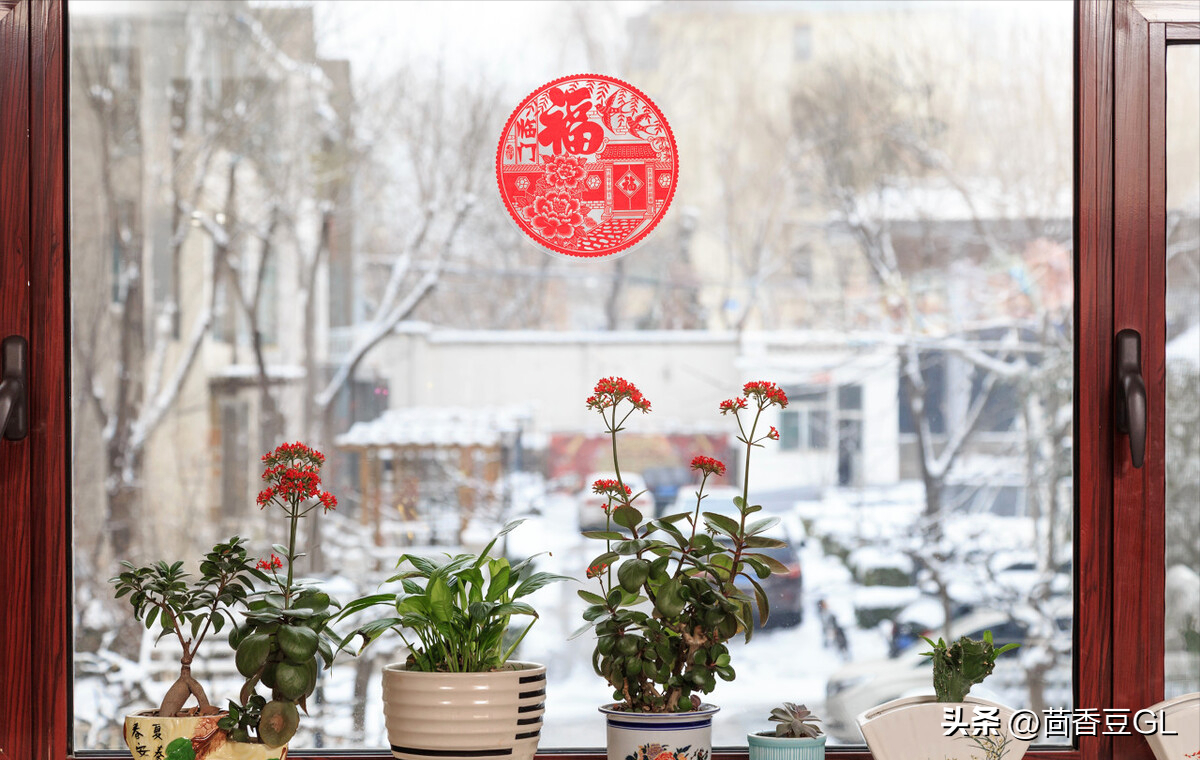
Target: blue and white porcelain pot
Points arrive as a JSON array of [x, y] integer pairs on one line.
[[659, 736]]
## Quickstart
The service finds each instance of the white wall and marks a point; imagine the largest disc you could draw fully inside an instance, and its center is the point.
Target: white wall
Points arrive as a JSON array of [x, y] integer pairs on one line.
[[684, 374]]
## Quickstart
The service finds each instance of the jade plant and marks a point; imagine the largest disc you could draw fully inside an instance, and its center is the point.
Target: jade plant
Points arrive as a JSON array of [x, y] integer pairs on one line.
[[456, 610], [962, 664], [191, 608], [285, 639], [794, 722], [669, 593]]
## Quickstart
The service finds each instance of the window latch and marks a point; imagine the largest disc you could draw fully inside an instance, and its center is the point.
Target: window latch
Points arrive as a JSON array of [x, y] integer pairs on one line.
[[1131, 393], [14, 412]]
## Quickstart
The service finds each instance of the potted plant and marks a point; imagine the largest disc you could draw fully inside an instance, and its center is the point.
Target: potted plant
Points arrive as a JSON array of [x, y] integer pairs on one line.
[[796, 736], [458, 693], [190, 609], [948, 724], [285, 639], [669, 596], [1178, 734]]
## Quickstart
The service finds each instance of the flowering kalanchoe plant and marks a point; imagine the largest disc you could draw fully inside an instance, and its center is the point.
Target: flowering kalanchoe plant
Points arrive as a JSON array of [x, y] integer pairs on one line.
[[286, 636], [161, 594], [685, 565]]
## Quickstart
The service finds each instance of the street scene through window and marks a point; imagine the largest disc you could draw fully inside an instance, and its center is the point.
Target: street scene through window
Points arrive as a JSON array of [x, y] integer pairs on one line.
[[286, 226]]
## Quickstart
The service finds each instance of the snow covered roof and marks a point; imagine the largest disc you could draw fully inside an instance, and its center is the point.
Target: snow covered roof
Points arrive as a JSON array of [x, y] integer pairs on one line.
[[426, 426]]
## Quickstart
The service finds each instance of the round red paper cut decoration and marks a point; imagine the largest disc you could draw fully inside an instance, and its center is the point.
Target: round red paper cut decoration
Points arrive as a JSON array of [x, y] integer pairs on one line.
[[587, 166]]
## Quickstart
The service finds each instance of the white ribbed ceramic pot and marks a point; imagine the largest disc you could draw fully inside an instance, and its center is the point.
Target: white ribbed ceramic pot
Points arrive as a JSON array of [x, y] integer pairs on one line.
[[911, 729], [659, 736], [1181, 718], [149, 736], [464, 716], [771, 747]]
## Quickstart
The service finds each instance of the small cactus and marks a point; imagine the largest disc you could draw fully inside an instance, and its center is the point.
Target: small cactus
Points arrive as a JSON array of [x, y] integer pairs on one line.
[[962, 664], [795, 722]]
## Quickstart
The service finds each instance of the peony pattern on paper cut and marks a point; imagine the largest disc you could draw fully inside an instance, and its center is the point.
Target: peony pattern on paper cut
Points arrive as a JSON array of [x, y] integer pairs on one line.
[[587, 166], [554, 215]]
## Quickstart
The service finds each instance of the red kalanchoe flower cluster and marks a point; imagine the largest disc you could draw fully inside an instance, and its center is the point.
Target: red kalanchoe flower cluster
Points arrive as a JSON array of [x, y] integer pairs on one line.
[[732, 405], [610, 391], [293, 453], [774, 434], [274, 563], [766, 393], [610, 487], [595, 570], [294, 472], [708, 465]]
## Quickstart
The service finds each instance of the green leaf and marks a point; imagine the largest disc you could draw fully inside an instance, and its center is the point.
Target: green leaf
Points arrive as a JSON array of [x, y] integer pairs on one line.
[[607, 535], [366, 602], [762, 542], [721, 523], [440, 602], [590, 597], [499, 583], [537, 581], [503, 532], [758, 526], [633, 547], [580, 631], [626, 517], [773, 564]]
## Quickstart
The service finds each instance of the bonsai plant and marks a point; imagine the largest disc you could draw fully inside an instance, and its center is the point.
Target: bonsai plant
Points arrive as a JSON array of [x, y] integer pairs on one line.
[[949, 722], [190, 609], [796, 736], [668, 597], [285, 639], [453, 614]]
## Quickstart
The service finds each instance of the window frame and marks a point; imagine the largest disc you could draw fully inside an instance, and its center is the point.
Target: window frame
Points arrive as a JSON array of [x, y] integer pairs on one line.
[[1112, 37]]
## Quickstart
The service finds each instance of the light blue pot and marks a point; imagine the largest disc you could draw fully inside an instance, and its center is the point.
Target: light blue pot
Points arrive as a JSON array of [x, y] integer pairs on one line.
[[785, 747]]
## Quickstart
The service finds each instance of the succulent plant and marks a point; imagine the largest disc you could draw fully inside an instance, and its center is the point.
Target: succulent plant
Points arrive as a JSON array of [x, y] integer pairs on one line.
[[962, 664], [795, 721]]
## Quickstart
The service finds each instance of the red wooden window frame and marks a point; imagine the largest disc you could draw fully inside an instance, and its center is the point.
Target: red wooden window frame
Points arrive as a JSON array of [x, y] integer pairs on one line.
[[1118, 542]]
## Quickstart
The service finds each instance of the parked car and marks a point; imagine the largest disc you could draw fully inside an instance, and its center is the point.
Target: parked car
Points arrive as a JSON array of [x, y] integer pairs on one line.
[[785, 591], [591, 506], [665, 483], [859, 686]]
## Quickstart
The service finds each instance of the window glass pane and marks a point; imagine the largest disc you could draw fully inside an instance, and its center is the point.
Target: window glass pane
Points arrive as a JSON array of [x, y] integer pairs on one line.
[[285, 226], [1182, 622]]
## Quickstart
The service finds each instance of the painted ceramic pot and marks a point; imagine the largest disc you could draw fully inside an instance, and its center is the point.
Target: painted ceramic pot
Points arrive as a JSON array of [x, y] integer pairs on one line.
[[1178, 723], [149, 736], [659, 736], [771, 747], [912, 729], [464, 715]]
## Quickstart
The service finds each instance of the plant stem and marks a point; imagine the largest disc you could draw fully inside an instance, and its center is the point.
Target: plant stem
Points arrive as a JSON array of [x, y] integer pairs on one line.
[[295, 520]]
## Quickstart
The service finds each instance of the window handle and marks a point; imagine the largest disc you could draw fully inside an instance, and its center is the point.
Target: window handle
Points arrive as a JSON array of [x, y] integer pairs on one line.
[[1131, 394], [14, 415]]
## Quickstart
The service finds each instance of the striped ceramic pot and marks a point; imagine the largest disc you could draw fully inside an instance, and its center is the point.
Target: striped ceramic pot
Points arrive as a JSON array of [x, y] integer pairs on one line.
[[149, 736], [659, 736], [772, 747], [461, 716]]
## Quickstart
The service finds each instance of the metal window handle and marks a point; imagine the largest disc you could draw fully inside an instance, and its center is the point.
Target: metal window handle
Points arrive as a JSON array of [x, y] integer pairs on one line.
[[1131, 394], [14, 413]]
